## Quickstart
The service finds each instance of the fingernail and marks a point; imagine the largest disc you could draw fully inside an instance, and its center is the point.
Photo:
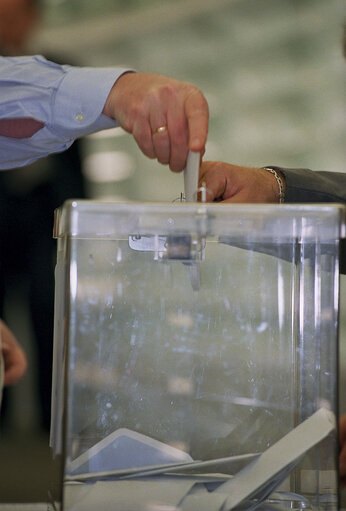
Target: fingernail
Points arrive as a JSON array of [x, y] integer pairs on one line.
[[195, 144]]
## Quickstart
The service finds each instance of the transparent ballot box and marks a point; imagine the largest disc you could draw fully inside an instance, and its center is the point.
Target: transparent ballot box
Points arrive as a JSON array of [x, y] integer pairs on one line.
[[195, 356]]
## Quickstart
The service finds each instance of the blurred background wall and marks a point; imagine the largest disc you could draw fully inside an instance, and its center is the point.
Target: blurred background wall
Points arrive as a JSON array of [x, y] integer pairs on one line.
[[273, 73]]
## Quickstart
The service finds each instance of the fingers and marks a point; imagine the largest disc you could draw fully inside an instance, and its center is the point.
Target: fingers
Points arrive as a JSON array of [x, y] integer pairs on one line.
[[214, 177], [15, 365], [342, 467], [177, 115], [179, 122], [161, 143], [342, 430], [188, 117], [143, 136], [159, 127], [197, 115], [342, 455], [14, 356], [143, 102], [178, 133]]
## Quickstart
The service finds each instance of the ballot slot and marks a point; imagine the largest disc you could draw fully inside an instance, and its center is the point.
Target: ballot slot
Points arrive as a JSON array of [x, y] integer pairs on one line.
[[173, 389]]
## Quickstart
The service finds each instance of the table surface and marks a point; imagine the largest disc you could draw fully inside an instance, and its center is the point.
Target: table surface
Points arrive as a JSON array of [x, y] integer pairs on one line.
[[38, 506]]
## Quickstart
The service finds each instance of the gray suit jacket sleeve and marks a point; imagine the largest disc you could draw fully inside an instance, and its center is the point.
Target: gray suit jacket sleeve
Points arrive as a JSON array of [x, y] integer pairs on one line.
[[304, 185]]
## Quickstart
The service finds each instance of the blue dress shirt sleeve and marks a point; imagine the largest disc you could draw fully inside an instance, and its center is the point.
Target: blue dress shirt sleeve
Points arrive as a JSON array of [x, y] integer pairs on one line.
[[68, 100]]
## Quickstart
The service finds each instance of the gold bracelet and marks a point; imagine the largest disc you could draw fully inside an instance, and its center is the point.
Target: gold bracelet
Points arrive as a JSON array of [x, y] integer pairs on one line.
[[279, 182]]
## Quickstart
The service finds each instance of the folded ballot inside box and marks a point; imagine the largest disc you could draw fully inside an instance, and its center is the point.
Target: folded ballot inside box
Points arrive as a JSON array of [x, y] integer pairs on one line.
[[187, 485], [190, 340], [122, 449]]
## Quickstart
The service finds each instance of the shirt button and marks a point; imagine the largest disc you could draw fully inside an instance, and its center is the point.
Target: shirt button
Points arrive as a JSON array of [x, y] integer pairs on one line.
[[79, 117]]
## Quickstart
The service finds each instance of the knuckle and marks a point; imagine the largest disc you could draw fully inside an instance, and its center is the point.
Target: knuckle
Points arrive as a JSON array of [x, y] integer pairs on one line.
[[167, 91], [170, 90]]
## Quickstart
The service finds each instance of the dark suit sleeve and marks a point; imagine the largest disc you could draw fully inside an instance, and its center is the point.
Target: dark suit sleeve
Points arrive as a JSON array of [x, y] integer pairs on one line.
[[304, 185]]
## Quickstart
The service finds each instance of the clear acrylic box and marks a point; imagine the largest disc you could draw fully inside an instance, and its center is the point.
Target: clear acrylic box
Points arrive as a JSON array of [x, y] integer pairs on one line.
[[195, 356]]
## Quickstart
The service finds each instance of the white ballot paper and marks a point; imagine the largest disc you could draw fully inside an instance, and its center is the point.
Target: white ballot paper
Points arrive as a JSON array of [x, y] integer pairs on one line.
[[184, 485], [273, 466], [131, 495], [124, 448]]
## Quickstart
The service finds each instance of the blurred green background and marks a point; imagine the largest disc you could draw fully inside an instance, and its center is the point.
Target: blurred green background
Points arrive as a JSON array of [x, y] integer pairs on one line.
[[272, 72]]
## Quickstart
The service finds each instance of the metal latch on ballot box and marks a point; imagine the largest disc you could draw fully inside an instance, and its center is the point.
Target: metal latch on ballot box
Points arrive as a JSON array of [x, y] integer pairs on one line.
[[186, 248]]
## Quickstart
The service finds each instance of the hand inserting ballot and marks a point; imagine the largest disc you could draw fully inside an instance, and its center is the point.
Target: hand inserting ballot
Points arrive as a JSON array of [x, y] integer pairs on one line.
[[165, 116], [233, 183], [56, 104]]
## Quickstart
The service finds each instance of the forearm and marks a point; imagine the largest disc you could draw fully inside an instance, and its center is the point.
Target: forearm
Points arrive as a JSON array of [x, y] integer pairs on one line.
[[68, 100]]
